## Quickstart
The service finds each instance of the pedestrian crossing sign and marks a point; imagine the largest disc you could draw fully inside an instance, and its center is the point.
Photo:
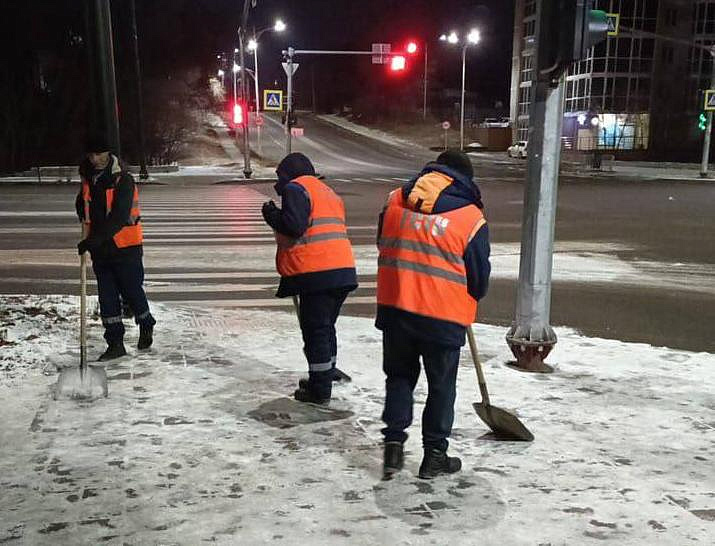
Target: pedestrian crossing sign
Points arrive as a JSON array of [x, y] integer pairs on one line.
[[614, 22], [273, 99], [709, 100]]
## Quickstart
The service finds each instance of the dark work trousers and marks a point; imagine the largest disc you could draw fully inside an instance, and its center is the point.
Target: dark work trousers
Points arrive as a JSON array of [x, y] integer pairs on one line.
[[122, 277], [401, 364], [318, 312]]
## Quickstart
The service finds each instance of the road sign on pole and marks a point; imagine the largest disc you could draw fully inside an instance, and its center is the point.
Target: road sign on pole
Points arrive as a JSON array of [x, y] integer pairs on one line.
[[294, 65], [614, 22], [709, 100], [381, 53], [273, 99]]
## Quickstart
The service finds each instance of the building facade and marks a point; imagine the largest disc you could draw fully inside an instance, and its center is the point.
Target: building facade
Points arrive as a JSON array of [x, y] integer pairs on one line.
[[641, 90]]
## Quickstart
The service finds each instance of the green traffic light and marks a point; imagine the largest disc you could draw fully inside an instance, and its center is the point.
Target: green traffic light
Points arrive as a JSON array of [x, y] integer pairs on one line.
[[702, 122]]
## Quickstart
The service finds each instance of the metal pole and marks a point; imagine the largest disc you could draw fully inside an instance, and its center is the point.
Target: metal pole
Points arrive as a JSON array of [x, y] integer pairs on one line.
[[143, 174], [424, 91], [255, 70], [105, 117], [461, 117], [289, 99], [531, 336], [241, 47], [708, 130]]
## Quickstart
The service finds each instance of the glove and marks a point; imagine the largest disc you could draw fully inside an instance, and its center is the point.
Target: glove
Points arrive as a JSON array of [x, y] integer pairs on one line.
[[86, 244], [271, 213]]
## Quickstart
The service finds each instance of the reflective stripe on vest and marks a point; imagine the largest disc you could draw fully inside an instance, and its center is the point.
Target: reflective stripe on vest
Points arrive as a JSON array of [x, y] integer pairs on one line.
[[325, 244], [131, 234], [421, 267]]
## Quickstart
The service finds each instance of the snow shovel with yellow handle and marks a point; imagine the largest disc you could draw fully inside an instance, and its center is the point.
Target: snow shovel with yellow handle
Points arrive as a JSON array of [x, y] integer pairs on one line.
[[505, 425], [83, 382]]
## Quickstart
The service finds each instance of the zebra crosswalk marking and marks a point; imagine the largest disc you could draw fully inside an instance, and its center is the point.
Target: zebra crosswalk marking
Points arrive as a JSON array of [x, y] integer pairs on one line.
[[180, 228]]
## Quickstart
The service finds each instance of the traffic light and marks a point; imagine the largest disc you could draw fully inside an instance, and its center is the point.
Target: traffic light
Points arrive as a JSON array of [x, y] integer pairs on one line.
[[411, 47], [398, 63], [585, 27], [239, 114], [702, 121], [569, 29]]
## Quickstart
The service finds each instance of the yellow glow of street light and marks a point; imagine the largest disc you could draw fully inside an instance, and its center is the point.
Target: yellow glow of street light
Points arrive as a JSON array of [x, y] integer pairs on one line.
[[473, 37], [280, 26], [453, 38], [252, 44]]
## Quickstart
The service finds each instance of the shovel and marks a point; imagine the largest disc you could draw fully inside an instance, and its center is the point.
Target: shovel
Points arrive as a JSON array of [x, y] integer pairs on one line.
[[85, 382], [505, 425]]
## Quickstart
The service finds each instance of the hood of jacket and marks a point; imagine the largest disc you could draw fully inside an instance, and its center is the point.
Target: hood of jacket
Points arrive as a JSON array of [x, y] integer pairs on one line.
[[438, 188], [87, 170]]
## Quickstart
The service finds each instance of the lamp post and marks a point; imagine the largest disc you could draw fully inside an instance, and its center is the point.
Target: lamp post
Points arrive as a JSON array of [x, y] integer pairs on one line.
[[279, 26], [471, 39]]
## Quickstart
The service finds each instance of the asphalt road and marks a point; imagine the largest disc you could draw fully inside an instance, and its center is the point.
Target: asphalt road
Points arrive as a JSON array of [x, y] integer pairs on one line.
[[634, 260]]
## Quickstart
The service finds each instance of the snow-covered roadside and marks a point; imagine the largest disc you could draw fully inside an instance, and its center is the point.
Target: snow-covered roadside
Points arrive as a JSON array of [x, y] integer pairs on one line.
[[197, 442], [375, 134]]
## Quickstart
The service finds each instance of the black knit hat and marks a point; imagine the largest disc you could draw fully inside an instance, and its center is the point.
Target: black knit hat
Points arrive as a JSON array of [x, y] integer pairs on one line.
[[294, 165], [458, 161], [96, 143]]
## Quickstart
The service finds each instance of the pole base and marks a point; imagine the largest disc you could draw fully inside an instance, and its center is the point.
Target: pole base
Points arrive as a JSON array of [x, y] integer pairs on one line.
[[247, 173], [530, 355], [704, 175]]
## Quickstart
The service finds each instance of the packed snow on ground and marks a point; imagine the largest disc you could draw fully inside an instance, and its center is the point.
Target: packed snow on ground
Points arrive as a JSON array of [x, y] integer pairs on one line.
[[198, 442]]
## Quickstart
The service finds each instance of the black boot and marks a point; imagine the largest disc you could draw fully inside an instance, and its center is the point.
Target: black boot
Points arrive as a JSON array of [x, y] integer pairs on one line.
[[114, 350], [307, 395], [393, 459], [146, 337], [437, 462]]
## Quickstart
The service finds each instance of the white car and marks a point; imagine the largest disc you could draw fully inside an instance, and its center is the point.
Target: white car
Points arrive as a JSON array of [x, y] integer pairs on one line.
[[518, 149]]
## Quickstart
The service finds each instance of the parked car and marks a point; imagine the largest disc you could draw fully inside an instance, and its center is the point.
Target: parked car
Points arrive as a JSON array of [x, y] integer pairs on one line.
[[494, 122], [518, 149]]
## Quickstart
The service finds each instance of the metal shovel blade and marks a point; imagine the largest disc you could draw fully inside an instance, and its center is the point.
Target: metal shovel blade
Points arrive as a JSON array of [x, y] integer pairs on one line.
[[81, 383], [504, 424]]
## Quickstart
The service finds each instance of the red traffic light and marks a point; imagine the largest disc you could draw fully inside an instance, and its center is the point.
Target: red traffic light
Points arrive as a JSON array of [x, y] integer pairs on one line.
[[238, 114], [398, 63], [411, 48]]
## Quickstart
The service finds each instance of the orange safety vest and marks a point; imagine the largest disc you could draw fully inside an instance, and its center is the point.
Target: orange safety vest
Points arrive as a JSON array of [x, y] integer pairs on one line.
[[131, 234], [325, 244], [421, 267]]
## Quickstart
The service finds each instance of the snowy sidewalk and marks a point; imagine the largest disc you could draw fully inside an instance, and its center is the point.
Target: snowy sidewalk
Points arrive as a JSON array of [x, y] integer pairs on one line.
[[197, 442]]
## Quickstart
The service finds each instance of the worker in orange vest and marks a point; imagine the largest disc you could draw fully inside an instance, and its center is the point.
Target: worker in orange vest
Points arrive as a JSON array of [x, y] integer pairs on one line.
[[433, 267], [316, 264], [108, 207]]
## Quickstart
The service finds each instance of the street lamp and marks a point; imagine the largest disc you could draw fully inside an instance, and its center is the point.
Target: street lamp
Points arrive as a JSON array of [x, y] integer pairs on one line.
[[472, 38], [278, 26]]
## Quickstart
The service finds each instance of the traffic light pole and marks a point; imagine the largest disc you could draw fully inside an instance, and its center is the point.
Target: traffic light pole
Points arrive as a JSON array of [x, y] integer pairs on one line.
[[289, 99], [531, 337], [704, 164], [143, 174], [461, 115], [244, 127], [103, 87]]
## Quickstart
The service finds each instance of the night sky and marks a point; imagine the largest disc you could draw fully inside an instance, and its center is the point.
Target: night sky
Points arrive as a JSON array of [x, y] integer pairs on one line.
[[176, 32], [44, 94]]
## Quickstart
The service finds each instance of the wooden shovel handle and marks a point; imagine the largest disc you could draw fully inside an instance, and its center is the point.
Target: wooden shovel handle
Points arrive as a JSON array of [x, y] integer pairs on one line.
[[478, 366]]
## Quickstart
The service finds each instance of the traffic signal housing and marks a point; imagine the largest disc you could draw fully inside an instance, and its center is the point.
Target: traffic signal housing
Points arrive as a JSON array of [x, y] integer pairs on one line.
[[568, 30], [702, 121]]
